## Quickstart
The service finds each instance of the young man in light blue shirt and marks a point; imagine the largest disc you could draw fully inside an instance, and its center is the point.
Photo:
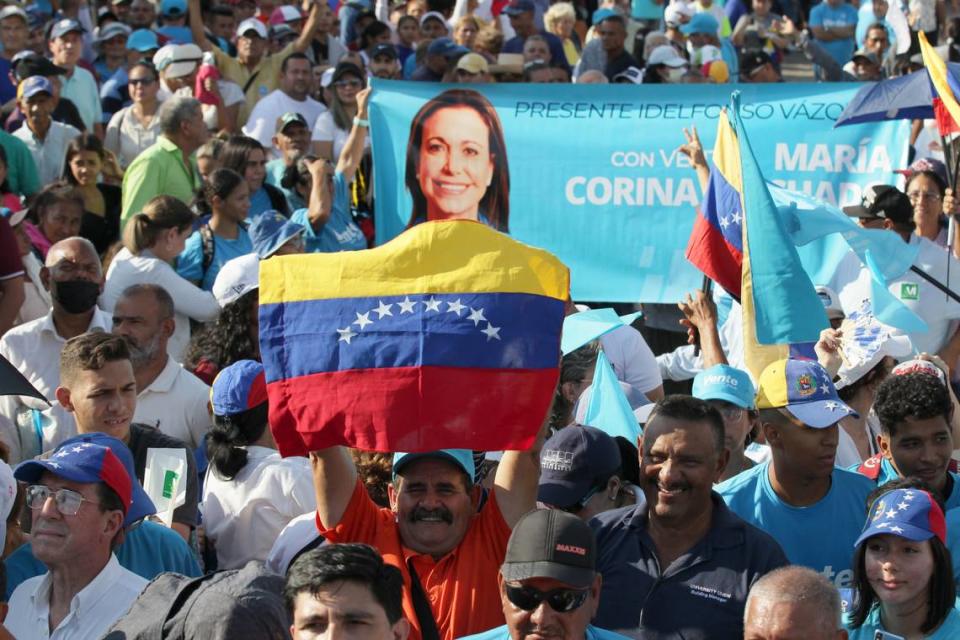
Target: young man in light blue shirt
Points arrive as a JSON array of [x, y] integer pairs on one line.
[[814, 510]]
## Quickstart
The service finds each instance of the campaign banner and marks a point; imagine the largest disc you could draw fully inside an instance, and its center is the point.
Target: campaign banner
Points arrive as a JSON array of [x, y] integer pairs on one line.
[[592, 173]]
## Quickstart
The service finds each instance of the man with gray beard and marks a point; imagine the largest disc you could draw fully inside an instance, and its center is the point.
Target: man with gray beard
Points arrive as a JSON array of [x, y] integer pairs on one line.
[[169, 397]]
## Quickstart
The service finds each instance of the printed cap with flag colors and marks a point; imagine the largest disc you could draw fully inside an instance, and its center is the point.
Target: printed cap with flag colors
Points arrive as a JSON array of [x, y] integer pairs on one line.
[[716, 242], [909, 513], [803, 388], [944, 88], [86, 463], [448, 336], [780, 304], [238, 388]]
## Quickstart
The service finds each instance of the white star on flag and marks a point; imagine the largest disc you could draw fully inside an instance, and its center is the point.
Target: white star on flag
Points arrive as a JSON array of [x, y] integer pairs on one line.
[[896, 529], [724, 222], [363, 319], [455, 307], [891, 514], [491, 332], [737, 218], [883, 525], [903, 506], [477, 316], [908, 496], [78, 449], [406, 306], [55, 465], [432, 304], [383, 310], [832, 406], [345, 335]]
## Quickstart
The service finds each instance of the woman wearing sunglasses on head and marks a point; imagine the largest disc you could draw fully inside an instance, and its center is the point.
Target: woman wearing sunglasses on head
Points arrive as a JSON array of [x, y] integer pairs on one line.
[[902, 572]]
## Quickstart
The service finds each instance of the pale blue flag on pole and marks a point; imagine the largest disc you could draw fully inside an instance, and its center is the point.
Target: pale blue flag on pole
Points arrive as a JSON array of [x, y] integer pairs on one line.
[[580, 328], [608, 409], [886, 307]]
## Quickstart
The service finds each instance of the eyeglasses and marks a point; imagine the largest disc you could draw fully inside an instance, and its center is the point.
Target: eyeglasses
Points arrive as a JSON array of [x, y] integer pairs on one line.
[[560, 600], [917, 196], [68, 502], [351, 84], [140, 81], [575, 508]]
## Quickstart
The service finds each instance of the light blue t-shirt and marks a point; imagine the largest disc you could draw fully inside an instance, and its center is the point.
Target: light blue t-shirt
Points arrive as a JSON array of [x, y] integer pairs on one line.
[[888, 473], [645, 10], [819, 536], [340, 233], [259, 202], [503, 633], [823, 15], [953, 540], [949, 630], [190, 262], [147, 550]]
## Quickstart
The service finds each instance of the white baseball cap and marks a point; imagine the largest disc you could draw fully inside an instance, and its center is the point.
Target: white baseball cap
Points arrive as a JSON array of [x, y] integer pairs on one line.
[[666, 54], [178, 60], [237, 277], [252, 24]]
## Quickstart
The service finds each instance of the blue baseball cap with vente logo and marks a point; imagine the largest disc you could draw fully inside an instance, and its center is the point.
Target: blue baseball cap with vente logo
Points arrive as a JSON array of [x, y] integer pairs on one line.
[[723, 382]]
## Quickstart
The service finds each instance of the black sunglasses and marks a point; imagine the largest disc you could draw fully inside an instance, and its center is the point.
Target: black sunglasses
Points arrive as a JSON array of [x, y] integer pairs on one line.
[[560, 600]]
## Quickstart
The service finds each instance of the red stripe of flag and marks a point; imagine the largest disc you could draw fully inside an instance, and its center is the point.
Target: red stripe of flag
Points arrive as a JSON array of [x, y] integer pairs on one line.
[[710, 252]]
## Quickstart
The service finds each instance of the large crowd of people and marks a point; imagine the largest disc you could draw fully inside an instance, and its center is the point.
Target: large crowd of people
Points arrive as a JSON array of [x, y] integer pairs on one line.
[[153, 154]]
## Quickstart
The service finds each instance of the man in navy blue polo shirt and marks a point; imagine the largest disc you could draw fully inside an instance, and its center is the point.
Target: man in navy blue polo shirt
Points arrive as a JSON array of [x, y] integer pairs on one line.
[[682, 564], [813, 509]]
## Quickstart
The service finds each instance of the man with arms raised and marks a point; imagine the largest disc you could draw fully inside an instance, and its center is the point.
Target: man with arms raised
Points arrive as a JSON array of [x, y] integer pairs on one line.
[[681, 564], [447, 549]]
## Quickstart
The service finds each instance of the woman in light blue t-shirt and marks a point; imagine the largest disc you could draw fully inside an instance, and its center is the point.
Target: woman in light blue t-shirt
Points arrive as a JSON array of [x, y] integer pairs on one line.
[[902, 572]]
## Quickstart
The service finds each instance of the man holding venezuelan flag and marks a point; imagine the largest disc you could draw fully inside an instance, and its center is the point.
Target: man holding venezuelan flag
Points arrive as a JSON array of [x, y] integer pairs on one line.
[[442, 341]]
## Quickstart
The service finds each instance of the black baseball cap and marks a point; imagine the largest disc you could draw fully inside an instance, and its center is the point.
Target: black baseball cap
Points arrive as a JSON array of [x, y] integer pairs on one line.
[[547, 543], [753, 59], [384, 49], [36, 65], [883, 201]]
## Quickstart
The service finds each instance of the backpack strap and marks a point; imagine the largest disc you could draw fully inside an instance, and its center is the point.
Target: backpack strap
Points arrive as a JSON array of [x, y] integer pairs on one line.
[[871, 467], [421, 606]]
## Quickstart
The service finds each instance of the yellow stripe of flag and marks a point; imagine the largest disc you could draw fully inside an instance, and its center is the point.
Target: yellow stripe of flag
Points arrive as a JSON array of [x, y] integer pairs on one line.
[[937, 69], [449, 256], [726, 154]]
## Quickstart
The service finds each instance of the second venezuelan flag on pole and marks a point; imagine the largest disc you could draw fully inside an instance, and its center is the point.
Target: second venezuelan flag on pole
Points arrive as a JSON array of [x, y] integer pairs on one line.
[[447, 336]]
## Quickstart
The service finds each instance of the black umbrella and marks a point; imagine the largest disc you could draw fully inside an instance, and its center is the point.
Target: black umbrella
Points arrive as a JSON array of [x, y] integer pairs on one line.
[[13, 383]]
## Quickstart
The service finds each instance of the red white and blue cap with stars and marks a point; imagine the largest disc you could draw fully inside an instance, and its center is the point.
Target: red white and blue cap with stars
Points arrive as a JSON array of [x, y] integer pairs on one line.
[[238, 388], [909, 513], [82, 462]]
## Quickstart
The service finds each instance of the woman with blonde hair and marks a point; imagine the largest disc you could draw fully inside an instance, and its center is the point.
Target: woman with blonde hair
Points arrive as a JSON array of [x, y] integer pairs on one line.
[[152, 240], [465, 33], [560, 20]]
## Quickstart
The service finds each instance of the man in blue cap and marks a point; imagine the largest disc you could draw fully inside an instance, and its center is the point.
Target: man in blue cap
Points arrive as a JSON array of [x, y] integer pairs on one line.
[[79, 499], [523, 20], [731, 392], [273, 234], [442, 55], [46, 138], [799, 496], [14, 31], [146, 548], [447, 546], [580, 473], [66, 45]]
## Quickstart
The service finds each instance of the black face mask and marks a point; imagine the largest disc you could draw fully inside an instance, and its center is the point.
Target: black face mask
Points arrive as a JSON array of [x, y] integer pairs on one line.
[[75, 296]]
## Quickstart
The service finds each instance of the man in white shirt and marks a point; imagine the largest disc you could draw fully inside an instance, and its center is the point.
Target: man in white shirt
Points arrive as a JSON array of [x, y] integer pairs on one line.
[[74, 278], [293, 95], [169, 397], [78, 499], [46, 138], [66, 46]]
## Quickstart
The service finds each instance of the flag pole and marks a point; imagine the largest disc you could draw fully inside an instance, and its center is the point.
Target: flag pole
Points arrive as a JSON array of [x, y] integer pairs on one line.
[[939, 285], [951, 168], [707, 288]]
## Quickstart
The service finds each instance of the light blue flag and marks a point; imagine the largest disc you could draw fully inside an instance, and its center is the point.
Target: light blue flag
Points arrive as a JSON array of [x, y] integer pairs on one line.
[[786, 307], [580, 328], [608, 409], [886, 307], [808, 220]]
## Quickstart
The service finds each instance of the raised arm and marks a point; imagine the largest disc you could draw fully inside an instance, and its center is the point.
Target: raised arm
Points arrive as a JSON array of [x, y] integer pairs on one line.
[[518, 476], [353, 149], [700, 319], [334, 479], [196, 25], [309, 28], [321, 196]]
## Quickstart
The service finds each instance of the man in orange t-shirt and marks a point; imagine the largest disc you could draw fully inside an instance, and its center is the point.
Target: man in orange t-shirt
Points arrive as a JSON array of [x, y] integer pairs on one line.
[[447, 547]]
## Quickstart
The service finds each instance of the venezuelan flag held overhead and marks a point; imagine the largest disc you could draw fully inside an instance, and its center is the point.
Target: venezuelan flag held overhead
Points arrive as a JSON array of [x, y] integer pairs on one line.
[[716, 242], [447, 336], [944, 88]]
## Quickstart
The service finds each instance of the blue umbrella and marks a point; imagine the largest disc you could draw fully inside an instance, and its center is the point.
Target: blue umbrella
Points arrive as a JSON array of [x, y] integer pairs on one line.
[[905, 98]]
